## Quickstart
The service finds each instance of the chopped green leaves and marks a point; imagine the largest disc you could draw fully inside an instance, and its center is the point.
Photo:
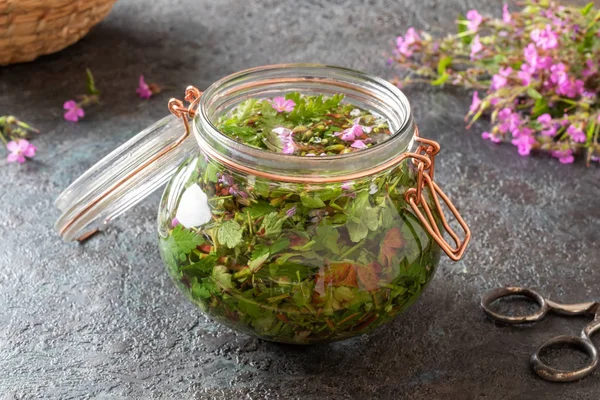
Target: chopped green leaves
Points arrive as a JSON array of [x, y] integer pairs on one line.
[[230, 234], [299, 263]]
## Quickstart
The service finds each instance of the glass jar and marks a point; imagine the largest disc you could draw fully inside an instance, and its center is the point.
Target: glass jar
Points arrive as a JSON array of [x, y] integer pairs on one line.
[[288, 248]]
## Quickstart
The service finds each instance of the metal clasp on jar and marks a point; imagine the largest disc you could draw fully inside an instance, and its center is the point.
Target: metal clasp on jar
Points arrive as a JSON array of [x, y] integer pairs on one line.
[[424, 159]]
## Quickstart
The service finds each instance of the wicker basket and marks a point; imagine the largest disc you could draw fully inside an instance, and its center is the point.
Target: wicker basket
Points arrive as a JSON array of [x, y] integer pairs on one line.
[[31, 28]]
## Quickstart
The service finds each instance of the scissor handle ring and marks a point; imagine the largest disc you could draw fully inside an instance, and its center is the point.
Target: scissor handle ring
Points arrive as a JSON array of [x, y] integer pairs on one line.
[[495, 294], [548, 373]]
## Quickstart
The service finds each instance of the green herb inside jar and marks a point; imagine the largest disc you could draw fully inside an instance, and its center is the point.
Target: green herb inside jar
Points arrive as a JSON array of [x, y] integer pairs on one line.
[[304, 125], [290, 262]]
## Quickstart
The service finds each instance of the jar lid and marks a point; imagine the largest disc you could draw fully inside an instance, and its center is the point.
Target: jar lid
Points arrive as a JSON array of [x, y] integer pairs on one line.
[[123, 178]]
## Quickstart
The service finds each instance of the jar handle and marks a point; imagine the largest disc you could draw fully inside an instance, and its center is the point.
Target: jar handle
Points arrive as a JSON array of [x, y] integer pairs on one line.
[[424, 158]]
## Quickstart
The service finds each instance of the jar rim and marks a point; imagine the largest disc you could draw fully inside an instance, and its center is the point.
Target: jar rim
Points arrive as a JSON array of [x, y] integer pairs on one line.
[[385, 97]]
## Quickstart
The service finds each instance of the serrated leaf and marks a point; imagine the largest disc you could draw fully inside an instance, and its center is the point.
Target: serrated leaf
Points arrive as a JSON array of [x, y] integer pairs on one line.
[[272, 224], [179, 244], [230, 234], [221, 277], [328, 237]]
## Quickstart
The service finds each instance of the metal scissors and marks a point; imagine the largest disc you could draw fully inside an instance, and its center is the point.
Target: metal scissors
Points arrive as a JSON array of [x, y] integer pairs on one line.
[[583, 342]]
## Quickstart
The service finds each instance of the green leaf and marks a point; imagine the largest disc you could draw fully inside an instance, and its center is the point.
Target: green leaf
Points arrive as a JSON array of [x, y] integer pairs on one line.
[[279, 245], [222, 277], [587, 8], [259, 209], [540, 107], [272, 224], [202, 268], [534, 94], [257, 263], [443, 65], [462, 30], [199, 291], [230, 234], [328, 237], [91, 84], [441, 80], [179, 244], [249, 308], [311, 202]]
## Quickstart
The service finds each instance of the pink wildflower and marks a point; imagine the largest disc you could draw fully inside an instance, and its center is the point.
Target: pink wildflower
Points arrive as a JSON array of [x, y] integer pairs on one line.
[[524, 144], [405, 45], [564, 156], [19, 150], [476, 48], [589, 70], [506, 17], [501, 78], [475, 19], [285, 135], [74, 112], [545, 38], [510, 120], [280, 104], [491, 137], [359, 144], [143, 89], [355, 131], [476, 103], [576, 134], [549, 129]]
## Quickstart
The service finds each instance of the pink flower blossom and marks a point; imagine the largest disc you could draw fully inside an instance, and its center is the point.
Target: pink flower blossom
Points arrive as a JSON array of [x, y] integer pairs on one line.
[[280, 104], [506, 17], [174, 222], [405, 45], [564, 156], [491, 137], [354, 132], [576, 134], [549, 129], [510, 121], [476, 48], [589, 70], [524, 144], [476, 103], [291, 212], [545, 38], [74, 112], [525, 74], [358, 144], [501, 78], [533, 59], [285, 135], [143, 90], [475, 19], [19, 150]]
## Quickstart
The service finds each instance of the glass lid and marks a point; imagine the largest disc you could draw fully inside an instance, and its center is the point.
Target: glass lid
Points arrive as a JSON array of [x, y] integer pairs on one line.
[[124, 177]]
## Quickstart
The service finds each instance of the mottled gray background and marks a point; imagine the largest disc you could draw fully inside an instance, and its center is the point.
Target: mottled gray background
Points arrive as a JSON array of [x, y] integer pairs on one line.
[[102, 320]]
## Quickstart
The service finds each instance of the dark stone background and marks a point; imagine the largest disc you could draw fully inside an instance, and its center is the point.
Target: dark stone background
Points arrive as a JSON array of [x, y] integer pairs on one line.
[[102, 320]]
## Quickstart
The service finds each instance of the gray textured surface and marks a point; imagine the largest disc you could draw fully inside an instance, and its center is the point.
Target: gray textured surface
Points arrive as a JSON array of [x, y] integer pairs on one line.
[[103, 320]]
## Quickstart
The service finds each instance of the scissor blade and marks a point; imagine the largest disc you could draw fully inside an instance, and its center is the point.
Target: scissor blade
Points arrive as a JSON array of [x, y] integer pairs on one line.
[[591, 307]]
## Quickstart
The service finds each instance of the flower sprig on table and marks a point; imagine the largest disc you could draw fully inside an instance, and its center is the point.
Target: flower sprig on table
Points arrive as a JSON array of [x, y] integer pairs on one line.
[[75, 109], [13, 134], [538, 71]]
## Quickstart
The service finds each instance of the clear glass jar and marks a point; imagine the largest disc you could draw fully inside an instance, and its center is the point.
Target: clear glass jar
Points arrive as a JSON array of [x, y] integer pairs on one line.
[[288, 248], [273, 258]]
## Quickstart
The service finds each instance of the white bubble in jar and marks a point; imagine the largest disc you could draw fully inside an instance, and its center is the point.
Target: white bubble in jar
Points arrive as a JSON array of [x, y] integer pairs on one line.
[[193, 207]]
